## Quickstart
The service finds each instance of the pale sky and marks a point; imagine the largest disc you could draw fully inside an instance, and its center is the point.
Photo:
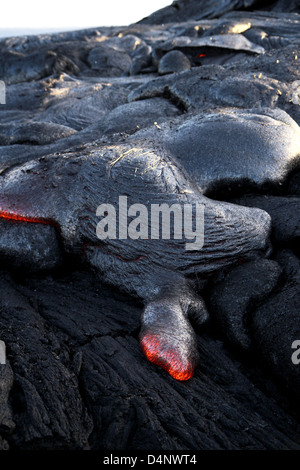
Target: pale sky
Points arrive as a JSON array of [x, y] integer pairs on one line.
[[66, 14]]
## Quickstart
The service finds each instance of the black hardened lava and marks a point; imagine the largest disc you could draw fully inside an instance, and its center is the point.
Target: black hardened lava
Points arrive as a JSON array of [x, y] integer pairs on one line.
[[105, 134]]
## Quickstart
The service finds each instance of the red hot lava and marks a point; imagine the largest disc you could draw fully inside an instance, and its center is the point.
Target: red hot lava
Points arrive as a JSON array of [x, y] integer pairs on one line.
[[22, 218], [155, 352]]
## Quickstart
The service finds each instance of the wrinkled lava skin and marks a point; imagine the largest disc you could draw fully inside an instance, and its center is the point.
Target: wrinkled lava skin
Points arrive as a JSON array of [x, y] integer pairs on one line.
[[63, 193]]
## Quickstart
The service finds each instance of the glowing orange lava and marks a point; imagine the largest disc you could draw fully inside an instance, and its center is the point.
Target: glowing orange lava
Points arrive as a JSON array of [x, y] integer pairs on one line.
[[21, 218], [167, 359], [202, 55]]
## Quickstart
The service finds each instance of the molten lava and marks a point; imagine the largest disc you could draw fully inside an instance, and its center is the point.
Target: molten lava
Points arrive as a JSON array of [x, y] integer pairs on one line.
[[21, 218], [167, 359]]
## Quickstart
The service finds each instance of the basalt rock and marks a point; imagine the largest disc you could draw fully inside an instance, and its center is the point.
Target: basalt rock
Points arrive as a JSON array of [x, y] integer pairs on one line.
[[86, 118], [182, 10], [59, 356], [294, 184], [79, 104], [211, 86], [172, 62], [33, 133], [276, 324], [45, 192], [212, 147], [7, 424], [235, 294], [284, 212], [17, 67], [131, 117], [205, 45], [190, 9], [108, 62]]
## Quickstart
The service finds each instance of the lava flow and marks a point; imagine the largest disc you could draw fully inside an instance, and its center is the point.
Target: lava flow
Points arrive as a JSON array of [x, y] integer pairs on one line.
[[22, 218], [168, 360]]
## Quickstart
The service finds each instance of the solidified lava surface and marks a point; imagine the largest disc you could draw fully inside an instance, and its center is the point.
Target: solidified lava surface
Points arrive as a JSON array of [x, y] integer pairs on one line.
[[196, 104]]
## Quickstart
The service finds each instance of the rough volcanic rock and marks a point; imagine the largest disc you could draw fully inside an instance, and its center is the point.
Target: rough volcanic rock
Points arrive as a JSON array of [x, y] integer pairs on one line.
[[234, 296], [154, 268], [182, 10], [212, 147], [130, 117], [236, 42], [210, 86], [294, 184], [172, 62], [284, 212], [29, 246], [17, 67], [79, 104], [46, 191], [276, 324], [7, 424], [33, 133], [81, 381], [45, 389], [109, 62], [87, 118]]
